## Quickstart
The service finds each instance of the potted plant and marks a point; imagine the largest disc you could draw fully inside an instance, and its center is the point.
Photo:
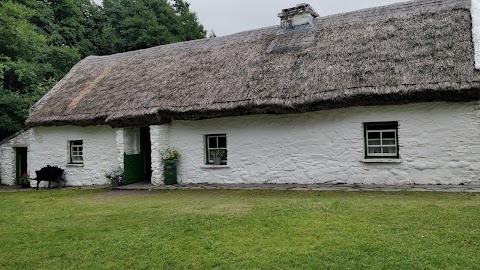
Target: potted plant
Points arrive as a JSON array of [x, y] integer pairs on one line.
[[217, 155], [116, 176], [24, 180], [171, 154], [170, 169]]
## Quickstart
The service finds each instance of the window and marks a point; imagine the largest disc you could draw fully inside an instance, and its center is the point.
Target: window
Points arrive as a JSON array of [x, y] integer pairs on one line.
[[76, 152], [216, 149], [381, 140]]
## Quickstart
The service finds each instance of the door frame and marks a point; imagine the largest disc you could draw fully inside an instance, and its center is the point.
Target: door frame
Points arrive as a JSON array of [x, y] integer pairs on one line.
[[138, 167], [21, 162]]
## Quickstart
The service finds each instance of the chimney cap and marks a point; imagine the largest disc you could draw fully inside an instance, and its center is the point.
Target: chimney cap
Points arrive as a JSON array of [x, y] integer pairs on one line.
[[298, 9], [300, 16]]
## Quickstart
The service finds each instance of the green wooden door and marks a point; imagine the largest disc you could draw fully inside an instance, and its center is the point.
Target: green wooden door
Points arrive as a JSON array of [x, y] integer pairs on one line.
[[134, 171], [137, 168], [20, 162]]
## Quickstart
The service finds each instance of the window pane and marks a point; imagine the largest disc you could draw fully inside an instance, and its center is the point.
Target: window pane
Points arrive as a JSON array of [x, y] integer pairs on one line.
[[389, 135], [390, 150], [374, 142], [374, 135], [388, 142], [76, 151], [382, 126], [212, 142], [381, 139], [222, 142], [216, 147]]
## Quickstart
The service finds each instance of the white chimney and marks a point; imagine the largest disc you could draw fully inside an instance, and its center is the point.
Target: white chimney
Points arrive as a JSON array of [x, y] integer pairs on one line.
[[300, 15]]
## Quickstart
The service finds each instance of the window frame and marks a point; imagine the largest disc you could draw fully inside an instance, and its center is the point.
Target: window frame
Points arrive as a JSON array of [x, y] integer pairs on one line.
[[75, 149], [208, 161], [389, 127]]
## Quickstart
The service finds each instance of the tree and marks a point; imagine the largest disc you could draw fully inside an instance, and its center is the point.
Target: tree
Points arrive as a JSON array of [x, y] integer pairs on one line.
[[28, 65], [139, 24], [190, 28], [212, 34], [41, 40]]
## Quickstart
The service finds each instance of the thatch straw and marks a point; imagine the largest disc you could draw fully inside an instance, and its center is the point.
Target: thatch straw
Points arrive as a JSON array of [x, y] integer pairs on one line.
[[411, 52]]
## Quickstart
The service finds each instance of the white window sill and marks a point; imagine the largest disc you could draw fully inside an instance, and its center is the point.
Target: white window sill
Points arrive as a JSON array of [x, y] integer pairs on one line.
[[381, 160], [215, 167], [74, 165]]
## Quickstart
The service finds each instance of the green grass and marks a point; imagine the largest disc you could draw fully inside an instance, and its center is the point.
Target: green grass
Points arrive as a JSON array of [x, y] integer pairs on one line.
[[211, 229]]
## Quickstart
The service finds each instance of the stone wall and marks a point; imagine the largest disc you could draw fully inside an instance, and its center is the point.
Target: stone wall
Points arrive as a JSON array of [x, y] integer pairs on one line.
[[49, 146], [439, 144], [7, 156], [476, 30], [159, 139]]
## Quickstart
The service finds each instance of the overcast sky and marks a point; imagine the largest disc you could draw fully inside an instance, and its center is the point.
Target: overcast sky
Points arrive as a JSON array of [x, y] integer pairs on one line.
[[231, 16]]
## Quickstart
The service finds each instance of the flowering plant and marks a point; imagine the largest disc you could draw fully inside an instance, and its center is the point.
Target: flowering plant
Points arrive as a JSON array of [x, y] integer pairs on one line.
[[218, 153], [24, 179], [115, 175], [171, 154]]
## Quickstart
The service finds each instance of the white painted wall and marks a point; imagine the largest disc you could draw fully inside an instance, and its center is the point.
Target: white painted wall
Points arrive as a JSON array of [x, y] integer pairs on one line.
[[159, 141], [49, 146], [476, 30], [439, 144], [7, 156]]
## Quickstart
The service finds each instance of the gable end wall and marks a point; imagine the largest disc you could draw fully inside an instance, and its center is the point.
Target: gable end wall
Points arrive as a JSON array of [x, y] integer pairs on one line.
[[7, 156]]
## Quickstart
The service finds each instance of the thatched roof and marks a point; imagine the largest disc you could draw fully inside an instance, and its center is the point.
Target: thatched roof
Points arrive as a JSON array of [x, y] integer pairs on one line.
[[410, 52]]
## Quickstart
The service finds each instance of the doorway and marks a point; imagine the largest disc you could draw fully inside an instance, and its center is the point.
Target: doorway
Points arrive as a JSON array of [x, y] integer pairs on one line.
[[137, 162], [20, 162], [146, 145]]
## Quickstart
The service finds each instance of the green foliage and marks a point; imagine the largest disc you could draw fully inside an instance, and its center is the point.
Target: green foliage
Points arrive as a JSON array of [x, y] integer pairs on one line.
[[228, 229], [24, 179], [212, 34], [13, 112], [171, 154], [41, 40], [139, 24], [115, 175], [189, 27]]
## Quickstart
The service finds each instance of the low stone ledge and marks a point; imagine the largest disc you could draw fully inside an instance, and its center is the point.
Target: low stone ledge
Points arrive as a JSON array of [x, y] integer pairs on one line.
[[213, 167], [381, 160], [74, 165]]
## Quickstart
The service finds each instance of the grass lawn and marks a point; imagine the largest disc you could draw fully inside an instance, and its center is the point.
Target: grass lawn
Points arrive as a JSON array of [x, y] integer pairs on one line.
[[228, 229]]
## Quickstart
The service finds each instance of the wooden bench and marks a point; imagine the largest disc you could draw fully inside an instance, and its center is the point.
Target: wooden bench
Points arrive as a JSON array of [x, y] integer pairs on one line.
[[45, 175]]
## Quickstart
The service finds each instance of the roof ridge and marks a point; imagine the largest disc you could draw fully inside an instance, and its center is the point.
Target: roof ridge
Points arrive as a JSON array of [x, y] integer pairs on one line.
[[380, 10], [356, 14]]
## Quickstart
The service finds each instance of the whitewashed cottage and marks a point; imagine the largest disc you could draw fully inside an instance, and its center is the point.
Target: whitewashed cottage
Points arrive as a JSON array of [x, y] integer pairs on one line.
[[388, 95]]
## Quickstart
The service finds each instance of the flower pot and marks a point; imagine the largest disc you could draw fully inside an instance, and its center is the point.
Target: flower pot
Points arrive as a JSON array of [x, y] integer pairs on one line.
[[170, 172], [116, 183], [217, 161], [25, 185]]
